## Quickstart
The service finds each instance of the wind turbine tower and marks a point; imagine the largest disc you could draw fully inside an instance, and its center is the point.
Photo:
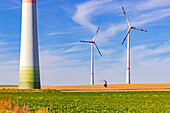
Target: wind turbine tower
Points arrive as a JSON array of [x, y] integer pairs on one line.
[[29, 74], [128, 46], [92, 55]]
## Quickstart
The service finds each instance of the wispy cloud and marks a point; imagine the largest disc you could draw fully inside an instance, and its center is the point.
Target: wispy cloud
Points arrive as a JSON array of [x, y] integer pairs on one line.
[[9, 72], [145, 51], [85, 12], [151, 16], [61, 33], [88, 10], [73, 49], [9, 5], [107, 51], [150, 4], [3, 43]]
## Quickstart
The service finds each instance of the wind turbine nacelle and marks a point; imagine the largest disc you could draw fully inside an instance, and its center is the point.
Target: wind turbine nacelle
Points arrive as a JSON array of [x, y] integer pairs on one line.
[[129, 27]]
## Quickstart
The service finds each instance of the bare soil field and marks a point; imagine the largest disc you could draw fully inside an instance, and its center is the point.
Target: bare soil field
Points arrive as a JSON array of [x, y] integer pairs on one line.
[[109, 88]]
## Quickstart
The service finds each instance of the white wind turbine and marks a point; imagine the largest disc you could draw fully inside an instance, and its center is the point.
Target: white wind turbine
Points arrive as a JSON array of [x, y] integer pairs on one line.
[[128, 46], [92, 56]]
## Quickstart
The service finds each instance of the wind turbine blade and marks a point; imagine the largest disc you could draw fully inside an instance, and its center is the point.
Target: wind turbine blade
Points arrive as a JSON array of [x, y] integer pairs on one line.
[[125, 36], [98, 49], [87, 41], [125, 16], [96, 34], [139, 29]]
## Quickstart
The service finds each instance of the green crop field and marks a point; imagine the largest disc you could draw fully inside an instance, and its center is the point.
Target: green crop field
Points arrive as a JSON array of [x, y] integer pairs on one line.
[[8, 86], [95, 101]]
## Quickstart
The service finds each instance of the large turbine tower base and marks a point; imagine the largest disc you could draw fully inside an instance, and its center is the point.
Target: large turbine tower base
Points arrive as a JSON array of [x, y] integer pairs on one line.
[[29, 75]]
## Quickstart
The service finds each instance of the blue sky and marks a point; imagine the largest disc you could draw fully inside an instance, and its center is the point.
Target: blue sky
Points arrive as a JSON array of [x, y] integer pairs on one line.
[[66, 61]]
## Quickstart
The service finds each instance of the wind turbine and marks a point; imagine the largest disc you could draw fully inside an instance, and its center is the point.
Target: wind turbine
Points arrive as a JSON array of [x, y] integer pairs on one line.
[[92, 56], [128, 46]]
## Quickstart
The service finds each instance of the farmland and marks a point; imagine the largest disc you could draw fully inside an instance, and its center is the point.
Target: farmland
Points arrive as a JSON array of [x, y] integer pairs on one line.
[[101, 88], [112, 87], [145, 101], [8, 86]]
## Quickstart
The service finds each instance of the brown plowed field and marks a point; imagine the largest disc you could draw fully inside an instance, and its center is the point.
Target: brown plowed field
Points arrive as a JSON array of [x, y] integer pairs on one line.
[[110, 88]]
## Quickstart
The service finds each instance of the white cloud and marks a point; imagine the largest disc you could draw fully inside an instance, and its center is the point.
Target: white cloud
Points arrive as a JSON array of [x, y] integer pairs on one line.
[[9, 5], [151, 16], [61, 33], [3, 43], [62, 69], [143, 51], [107, 51], [73, 49], [9, 72], [151, 4], [87, 11]]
